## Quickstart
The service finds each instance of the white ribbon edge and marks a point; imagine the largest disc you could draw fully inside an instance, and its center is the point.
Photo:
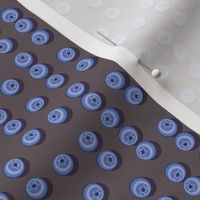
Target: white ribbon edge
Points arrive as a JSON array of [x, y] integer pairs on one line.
[[120, 55]]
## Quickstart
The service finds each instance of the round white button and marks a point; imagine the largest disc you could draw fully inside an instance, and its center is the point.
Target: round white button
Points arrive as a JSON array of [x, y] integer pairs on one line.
[[155, 73]]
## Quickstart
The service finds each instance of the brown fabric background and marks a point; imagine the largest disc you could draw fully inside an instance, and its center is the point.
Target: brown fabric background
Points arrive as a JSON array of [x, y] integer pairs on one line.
[[63, 138]]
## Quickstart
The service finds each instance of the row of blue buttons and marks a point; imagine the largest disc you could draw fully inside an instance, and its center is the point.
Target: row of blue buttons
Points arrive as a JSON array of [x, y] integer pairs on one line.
[[11, 15], [7, 45], [88, 142], [176, 172], [110, 117], [25, 59], [184, 141], [133, 94], [12, 127], [140, 187], [128, 136], [107, 160]]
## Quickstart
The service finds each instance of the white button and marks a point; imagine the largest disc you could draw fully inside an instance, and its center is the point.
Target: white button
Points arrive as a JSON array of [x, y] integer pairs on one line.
[[187, 96], [164, 38], [63, 7], [95, 3], [195, 71], [112, 13], [155, 73], [179, 18], [162, 6], [180, 52], [138, 23], [144, 4]]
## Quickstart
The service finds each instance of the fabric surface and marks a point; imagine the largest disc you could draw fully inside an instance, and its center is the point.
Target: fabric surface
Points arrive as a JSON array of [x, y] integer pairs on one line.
[[162, 33], [137, 110]]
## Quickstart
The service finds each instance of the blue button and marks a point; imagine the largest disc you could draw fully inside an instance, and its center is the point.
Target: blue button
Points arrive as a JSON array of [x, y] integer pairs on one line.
[[107, 160], [175, 172], [6, 45], [23, 60], [24, 25], [91, 101], [10, 87], [63, 164], [185, 141], [55, 81], [12, 127], [9, 15], [40, 37], [146, 150], [85, 64], [57, 116], [39, 71], [115, 80], [192, 186], [140, 187], [31, 138], [165, 198], [66, 54], [128, 135], [35, 104], [88, 141], [14, 168], [110, 118], [133, 95], [4, 196], [75, 90], [167, 127], [36, 188], [3, 116], [93, 191]]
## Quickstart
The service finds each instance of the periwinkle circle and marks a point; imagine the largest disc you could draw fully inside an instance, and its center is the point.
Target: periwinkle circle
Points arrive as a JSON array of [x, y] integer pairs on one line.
[[31, 138], [14, 168], [93, 191], [37, 188], [88, 141], [63, 164]]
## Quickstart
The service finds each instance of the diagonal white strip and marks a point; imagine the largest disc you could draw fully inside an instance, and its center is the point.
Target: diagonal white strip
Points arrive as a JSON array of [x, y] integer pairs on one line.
[[127, 60]]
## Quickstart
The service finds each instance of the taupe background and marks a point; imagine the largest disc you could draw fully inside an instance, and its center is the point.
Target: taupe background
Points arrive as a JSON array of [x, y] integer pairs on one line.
[[63, 138]]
